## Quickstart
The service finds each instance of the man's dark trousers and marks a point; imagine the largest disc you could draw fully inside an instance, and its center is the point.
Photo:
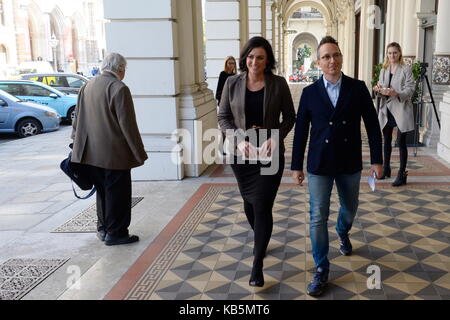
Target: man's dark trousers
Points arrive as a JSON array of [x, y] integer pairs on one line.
[[113, 200]]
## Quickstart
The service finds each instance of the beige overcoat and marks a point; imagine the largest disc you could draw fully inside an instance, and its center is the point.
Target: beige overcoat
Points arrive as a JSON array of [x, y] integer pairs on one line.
[[401, 106], [105, 131]]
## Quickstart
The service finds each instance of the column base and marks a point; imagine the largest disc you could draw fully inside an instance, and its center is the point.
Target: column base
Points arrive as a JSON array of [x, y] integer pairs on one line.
[[444, 142], [161, 165], [443, 152]]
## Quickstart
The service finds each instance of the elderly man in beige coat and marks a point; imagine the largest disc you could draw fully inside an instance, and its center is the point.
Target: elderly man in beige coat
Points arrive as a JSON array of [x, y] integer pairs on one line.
[[107, 139]]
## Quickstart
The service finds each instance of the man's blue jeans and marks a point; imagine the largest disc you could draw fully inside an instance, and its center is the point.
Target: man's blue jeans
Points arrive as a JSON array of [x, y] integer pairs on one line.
[[320, 192]]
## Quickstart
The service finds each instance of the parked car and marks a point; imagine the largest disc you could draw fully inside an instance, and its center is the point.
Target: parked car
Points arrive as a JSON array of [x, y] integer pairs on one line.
[[40, 93], [26, 118], [64, 82]]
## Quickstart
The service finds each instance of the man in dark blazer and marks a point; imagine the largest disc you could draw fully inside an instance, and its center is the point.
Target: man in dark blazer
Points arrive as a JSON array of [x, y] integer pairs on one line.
[[333, 107], [107, 139]]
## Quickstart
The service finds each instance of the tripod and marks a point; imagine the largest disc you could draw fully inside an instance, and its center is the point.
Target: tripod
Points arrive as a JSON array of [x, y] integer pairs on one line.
[[420, 103]]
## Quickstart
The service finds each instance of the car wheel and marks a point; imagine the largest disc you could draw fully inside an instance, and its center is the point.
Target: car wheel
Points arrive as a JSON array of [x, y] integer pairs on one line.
[[28, 128], [71, 114]]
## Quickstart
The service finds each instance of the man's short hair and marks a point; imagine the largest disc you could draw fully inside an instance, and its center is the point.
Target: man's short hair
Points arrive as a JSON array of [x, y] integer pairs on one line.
[[325, 40], [114, 62]]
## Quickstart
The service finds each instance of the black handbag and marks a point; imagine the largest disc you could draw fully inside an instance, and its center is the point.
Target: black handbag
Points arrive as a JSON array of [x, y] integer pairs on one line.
[[79, 174]]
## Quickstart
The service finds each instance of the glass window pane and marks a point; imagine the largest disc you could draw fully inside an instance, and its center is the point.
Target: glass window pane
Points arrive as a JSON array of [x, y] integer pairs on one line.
[[36, 91]]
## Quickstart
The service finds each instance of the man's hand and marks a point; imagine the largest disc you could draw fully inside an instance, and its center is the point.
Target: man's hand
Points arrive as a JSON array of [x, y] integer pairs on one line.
[[298, 177], [378, 169]]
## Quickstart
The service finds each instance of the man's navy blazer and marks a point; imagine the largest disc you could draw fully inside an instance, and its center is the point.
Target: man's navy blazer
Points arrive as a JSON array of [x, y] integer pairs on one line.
[[335, 145]]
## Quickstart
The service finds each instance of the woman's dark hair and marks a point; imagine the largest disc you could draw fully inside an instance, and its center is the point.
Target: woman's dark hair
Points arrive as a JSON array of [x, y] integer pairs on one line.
[[257, 42]]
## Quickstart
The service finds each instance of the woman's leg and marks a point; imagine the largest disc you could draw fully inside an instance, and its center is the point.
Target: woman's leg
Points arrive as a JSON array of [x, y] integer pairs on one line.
[[249, 212], [401, 137]]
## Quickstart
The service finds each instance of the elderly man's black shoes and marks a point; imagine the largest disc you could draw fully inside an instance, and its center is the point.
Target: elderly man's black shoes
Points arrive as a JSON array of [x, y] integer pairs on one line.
[[113, 241]]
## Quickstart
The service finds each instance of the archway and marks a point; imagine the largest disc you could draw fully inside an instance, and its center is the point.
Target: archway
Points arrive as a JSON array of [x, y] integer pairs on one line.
[[307, 23], [322, 6], [301, 62]]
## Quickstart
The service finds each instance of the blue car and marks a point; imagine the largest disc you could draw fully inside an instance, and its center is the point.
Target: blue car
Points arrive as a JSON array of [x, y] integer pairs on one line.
[[43, 94], [26, 118]]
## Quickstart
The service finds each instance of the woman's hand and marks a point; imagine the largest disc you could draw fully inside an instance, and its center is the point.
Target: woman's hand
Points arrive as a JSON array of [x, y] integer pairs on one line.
[[390, 92], [247, 149], [376, 88], [267, 147]]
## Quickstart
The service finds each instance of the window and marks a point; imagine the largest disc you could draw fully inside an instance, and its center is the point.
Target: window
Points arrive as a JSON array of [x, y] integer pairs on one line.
[[14, 89], [56, 81], [75, 82], [36, 91]]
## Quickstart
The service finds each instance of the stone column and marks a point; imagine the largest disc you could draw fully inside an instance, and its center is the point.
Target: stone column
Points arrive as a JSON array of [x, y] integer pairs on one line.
[[254, 18], [349, 41], [264, 19], [197, 106], [222, 35], [279, 45], [441, 76], [394, 21], [268, 21], [274, 29], [366, 42], [284, 49], [410, 32], [168, 95], [244, 25]]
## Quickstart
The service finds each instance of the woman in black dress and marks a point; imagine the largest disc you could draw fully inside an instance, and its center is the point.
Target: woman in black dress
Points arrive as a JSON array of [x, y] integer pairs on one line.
[[228, 70], [252, 102]]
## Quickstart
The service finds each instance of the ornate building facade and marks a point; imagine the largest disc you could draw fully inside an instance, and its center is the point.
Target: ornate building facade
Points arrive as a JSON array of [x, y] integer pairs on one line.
[[171, 44], [68, 34]]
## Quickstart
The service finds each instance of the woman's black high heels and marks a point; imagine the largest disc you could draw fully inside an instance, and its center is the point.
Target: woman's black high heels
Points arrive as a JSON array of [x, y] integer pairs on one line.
[[257, 278], [386, 174], [401, 179]]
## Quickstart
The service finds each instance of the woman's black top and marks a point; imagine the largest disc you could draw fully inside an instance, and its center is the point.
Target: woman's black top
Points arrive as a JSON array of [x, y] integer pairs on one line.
[[222, 78], [254, 104], [391, 120]]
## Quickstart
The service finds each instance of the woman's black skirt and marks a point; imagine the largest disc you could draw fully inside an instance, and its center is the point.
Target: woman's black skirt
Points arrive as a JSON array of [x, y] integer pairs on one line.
[[257, 187]]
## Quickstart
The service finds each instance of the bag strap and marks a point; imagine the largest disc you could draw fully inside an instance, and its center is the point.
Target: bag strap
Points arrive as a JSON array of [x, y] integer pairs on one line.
[[83, 198]]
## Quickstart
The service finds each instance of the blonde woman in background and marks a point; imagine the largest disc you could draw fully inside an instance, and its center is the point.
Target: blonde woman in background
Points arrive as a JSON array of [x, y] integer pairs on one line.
[[228, 70], [396, 87]]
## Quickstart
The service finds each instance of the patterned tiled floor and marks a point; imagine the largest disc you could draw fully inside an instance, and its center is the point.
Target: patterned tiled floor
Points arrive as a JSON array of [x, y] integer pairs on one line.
[[86, 221], [205, 252], [19, 276], [406, 233]]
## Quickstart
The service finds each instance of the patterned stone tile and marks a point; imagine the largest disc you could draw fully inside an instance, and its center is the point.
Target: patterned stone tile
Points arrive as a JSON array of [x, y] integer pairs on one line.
[[211, 254], [86, 221], [20, 276]]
